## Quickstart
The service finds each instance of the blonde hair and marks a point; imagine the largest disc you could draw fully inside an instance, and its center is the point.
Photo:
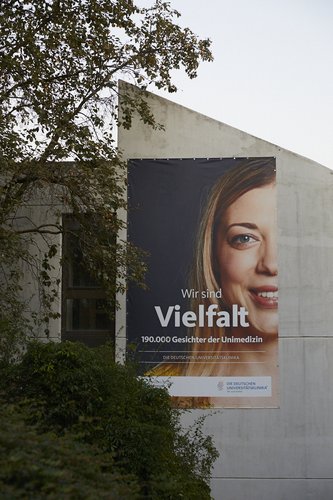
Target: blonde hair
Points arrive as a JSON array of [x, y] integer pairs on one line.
[[252, 173]]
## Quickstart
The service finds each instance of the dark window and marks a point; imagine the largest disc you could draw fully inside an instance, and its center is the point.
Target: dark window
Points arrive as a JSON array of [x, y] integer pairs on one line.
[[84, 305]]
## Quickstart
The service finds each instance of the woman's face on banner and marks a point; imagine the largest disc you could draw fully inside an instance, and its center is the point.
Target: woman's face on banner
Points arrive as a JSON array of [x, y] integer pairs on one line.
[[247, 260]]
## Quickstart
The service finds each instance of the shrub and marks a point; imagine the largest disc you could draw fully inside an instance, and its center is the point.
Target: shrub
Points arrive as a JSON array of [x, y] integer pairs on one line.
[[43, 465], [70, 388]]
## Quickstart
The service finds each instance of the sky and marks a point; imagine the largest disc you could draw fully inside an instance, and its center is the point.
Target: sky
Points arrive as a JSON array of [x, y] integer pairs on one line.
[[272, 74]]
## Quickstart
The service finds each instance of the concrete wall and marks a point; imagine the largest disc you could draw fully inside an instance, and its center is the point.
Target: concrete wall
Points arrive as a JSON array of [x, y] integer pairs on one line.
[[41, 208], [284, 453]]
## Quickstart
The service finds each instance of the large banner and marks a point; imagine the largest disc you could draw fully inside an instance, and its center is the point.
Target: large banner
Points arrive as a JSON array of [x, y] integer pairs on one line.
[[207, 324]]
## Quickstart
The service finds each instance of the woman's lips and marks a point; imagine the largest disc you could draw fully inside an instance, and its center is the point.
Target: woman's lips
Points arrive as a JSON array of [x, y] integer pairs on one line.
[[265, 296]]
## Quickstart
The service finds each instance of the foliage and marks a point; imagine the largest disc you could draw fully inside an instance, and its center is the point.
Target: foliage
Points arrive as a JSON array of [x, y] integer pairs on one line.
[[43, 465], [74, 390], [59, 65]]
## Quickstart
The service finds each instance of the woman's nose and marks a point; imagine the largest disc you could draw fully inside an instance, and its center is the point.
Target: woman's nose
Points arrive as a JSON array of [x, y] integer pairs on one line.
[[267, 262]]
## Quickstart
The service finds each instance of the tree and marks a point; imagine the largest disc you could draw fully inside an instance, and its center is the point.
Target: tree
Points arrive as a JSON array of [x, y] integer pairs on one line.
[[59, 65]]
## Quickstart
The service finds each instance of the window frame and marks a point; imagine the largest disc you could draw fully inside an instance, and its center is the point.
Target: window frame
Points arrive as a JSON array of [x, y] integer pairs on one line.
[[90, 337]]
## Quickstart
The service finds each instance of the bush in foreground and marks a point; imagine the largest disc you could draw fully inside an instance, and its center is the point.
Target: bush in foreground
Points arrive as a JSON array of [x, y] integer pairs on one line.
[[81, 394], [42, 465]]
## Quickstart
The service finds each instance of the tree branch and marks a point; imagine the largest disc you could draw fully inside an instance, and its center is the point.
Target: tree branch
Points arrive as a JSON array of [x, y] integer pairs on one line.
[[40, 230]]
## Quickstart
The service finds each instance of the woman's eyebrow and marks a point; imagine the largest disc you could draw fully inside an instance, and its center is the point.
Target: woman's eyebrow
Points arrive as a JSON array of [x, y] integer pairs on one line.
[[248, 225]]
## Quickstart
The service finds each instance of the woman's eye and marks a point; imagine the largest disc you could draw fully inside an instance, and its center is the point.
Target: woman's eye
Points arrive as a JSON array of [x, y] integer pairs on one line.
[[241, 240]]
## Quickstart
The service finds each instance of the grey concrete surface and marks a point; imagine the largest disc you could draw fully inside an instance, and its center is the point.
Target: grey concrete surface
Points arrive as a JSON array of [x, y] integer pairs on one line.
[[284, 453]]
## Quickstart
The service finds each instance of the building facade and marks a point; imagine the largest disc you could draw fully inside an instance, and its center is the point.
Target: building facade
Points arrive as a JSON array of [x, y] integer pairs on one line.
[[265, 453], [286, 452]]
